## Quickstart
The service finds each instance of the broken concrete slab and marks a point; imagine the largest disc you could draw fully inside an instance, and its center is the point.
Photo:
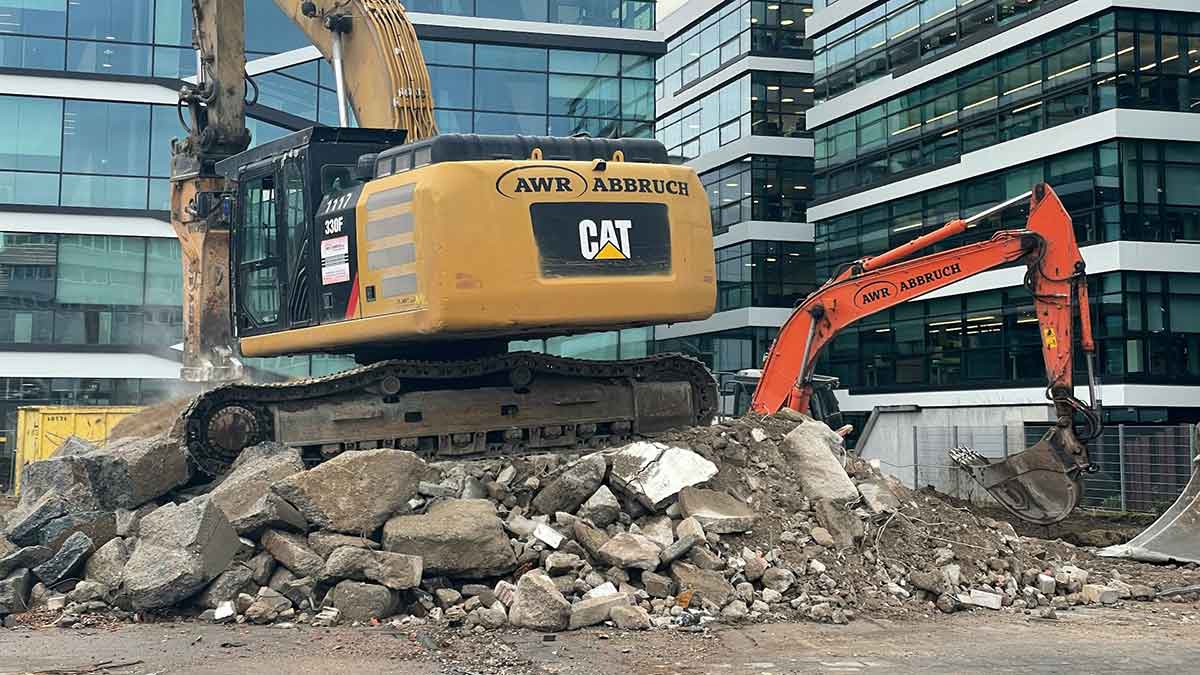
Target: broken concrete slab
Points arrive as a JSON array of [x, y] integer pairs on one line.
[[99, 526], [460, 538], [396, 571], [658, 585], [630, 617], [128, 519], [359, 601], [653, 473], [590, 538], [236, 579], [245, 496], [679, 548], [292, 551], [878, 497], [844, 527], [182, 547], [262, 566], [561, 563], [28, 556], [107, 564], [24, 523], [74, 445], [657, 529], [89, 591], [602, 508], [778, 579], [630, 551], [268, 605], [324, 543], [984, 599], [345, 494], [705, 584], [1098, 594], [66, 561], [538, 604], [573, 487], [594, 610], [813, 450], [14, 591], [131, 472], [716, 511], [69, 477]]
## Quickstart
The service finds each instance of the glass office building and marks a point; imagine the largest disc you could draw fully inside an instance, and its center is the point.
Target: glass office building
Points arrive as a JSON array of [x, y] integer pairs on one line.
[[89, 267], [732, 93], [930, 110]]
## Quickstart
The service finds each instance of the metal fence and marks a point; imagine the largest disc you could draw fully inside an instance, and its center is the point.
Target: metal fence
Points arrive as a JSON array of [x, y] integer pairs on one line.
[[1142, 468]]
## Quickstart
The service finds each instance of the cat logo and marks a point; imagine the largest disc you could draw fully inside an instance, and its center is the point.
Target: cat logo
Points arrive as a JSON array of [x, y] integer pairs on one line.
[[607, 241]]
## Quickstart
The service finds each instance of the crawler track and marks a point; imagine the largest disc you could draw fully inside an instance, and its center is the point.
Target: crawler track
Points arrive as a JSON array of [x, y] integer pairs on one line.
[[507, 404]]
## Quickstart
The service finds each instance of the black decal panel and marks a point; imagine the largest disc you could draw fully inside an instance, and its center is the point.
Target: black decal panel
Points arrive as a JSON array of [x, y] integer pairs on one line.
[[602, 238]]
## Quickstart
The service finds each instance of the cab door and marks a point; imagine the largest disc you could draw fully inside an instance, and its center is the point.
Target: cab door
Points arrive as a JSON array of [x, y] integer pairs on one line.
[[259, 252]]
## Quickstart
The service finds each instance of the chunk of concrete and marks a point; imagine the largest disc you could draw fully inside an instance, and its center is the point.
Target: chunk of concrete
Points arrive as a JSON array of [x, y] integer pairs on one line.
[[262, 565], [591, 611], [128, 519], [245, 496], [573, 487], [267, 606], [778, 579], [100, 526], [459, 538], [24, 523], [236, 579], [28, 556], [1046, 584], [602, 508], [70, 477], [630, 551], [107, 564], [705, 584], [844, 526], [716, 511], [810, 449], [292, 551], [985, 599], [74, 445], [1098, 594], [346, 494], [590, 538], [878, 497], [538, 604], [396, 571], [679, 548], [182, 547], [66, 561], [630, 617], [324, 543], [658, 529], [358, 601], [561, 563], [88, 591], [653, 473], [133, 471], [658, 585], [14, 591]]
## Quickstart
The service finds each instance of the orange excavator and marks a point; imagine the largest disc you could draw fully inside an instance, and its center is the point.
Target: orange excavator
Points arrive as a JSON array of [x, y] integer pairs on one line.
[[1041, 484]]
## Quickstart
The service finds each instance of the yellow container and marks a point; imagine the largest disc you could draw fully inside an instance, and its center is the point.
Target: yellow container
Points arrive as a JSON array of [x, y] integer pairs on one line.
[[42, 428]]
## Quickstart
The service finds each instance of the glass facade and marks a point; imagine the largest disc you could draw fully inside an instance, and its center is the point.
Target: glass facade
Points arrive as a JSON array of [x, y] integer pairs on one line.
[[904, 34], [759, 187], [494, 89], [1125, 59], [67, 152], [611, 13], [77, 289], [725, 351], [758, 27], [758, 104], [124, 37], [764, 274], [1120, 190], [1147, 328]]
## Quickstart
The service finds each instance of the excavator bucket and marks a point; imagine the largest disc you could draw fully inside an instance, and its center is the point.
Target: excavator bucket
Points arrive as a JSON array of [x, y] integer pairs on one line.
[[1174, 537], [1039, 485]]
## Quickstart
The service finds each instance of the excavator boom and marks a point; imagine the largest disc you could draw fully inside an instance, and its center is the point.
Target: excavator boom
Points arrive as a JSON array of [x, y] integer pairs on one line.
[[1041, 484]]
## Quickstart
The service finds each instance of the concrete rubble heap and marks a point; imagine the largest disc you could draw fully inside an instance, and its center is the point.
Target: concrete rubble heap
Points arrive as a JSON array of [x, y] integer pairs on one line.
[[749, 520]]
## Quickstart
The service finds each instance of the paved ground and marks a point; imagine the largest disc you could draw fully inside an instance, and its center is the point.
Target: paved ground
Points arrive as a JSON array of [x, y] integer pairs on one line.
[[1143, 638]]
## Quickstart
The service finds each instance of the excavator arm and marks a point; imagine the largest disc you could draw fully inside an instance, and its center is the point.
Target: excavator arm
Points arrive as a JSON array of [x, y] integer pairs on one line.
[[1040, 484], [378, 69]]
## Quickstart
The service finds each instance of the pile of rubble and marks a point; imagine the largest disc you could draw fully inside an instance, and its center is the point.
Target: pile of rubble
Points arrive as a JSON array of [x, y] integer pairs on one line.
[[754, 520]]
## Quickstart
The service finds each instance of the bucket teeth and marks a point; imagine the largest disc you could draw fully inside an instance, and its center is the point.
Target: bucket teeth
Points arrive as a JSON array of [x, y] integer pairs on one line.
[[968, 458]]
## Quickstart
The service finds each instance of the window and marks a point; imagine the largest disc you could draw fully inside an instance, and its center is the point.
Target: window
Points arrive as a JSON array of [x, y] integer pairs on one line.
[[106, 138], [101, 270], [33, 141]]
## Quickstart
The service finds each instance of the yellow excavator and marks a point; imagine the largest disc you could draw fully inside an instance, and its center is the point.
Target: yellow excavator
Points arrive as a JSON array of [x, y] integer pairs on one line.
[[422, 255]]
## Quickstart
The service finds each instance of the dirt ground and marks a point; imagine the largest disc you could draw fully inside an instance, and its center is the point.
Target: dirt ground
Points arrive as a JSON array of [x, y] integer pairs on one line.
[[1135, 637]]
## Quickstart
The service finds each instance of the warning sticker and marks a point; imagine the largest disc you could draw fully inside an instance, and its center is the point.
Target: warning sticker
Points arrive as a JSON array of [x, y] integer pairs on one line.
[[335, 274], [338, 246], [335, 261]]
